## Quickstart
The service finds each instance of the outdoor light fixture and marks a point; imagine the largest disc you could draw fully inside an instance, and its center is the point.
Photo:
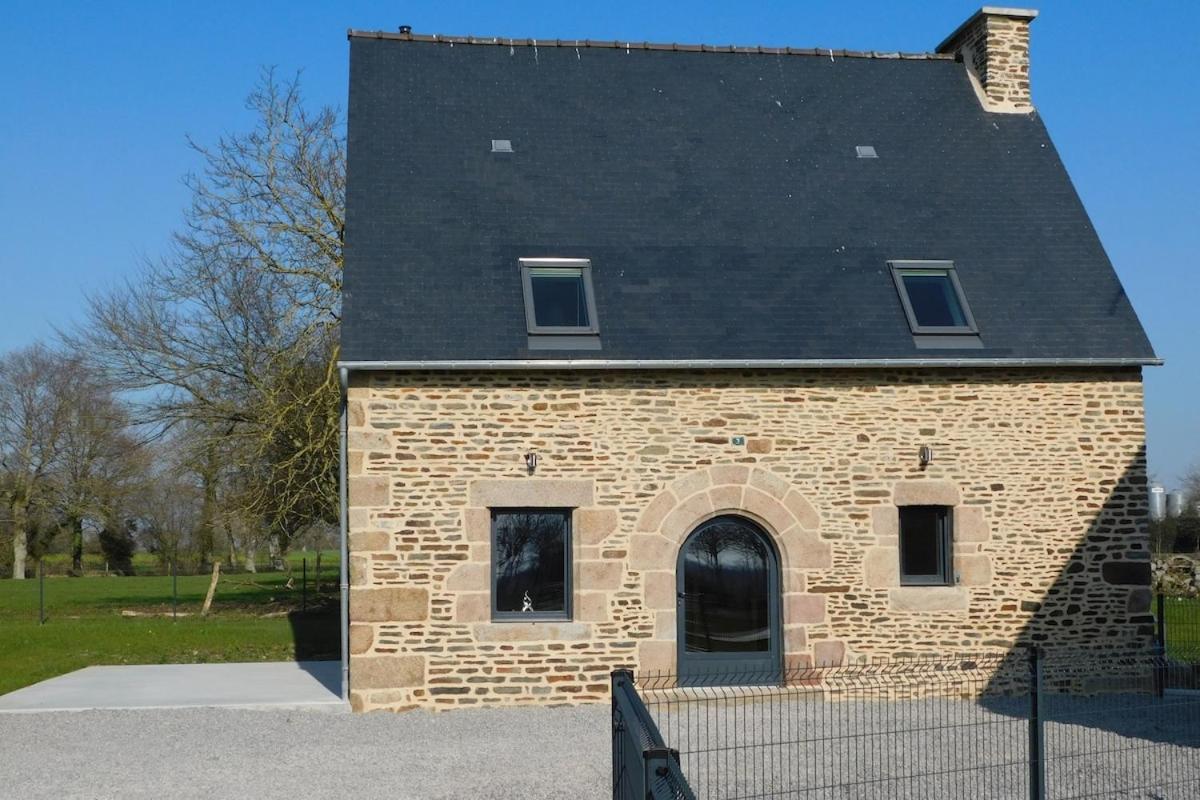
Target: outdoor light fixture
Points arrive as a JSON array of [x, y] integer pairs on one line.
[[926, 455], [531, 462]]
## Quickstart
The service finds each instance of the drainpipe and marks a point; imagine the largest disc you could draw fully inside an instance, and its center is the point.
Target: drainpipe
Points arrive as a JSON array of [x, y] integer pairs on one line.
[[343, 494]]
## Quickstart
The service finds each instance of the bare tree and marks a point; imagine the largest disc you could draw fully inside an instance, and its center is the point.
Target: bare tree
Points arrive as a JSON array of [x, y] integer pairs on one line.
[[166, 503], [33, 414], [97, 458], [234, 332]]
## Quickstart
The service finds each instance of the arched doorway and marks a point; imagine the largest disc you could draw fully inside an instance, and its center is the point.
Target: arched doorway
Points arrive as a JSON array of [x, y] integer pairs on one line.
[[727, 585]]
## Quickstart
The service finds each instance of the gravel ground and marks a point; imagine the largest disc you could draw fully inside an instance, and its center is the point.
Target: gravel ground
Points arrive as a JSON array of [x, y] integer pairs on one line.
[[218, 753], [932, 749]]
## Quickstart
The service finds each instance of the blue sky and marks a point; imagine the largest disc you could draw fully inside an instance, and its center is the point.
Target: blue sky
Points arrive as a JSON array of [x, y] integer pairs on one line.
[[97, 99]]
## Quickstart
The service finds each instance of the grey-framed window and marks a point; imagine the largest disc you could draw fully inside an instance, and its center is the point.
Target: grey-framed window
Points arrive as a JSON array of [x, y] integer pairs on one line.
[[926, 546], [932, 297], [531, 564], [558, 296]]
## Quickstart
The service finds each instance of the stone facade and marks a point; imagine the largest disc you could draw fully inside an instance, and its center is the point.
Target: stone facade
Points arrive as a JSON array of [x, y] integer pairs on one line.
[[994, 44], [1045, 470]]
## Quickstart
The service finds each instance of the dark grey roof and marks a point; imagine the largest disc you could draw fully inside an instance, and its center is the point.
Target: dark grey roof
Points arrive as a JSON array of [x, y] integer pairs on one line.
[[720, 199]]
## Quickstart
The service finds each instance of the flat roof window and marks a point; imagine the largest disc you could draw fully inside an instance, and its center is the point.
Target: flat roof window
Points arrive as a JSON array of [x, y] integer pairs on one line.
[[932, 297], [558, 295]]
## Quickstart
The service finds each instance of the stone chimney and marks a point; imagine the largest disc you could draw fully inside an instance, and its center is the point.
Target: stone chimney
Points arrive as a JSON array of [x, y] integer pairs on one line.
[[994, 44]]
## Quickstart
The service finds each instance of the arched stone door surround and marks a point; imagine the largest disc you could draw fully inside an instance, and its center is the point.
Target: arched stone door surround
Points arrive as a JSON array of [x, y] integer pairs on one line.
[[768, 500]]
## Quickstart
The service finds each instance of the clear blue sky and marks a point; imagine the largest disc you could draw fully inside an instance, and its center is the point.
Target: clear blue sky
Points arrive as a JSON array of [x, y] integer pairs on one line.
[[95, 101]]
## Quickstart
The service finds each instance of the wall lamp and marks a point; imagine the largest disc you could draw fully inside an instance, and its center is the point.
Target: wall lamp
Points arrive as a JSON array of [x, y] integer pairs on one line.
[[925, 455]]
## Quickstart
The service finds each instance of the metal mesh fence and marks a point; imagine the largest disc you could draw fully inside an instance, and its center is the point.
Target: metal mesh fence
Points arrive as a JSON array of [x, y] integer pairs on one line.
[[887, 730], [1064, 725], [1120, 726], [1179, 626]]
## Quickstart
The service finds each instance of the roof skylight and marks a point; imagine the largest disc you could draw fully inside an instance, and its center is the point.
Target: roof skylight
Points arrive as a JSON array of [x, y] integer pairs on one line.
[[932, 297], [558, 296]]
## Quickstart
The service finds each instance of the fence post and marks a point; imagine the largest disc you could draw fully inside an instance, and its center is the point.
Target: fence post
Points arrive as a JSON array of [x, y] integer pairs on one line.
[[621, 768], [1037, 729], [615, 732], [1160, 620], [1160, 634], [41, 593], [655, 760], [174, 591], [304, 584]]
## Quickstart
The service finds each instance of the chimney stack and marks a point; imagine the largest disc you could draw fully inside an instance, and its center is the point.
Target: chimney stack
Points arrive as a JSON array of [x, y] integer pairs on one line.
[[994, 44]]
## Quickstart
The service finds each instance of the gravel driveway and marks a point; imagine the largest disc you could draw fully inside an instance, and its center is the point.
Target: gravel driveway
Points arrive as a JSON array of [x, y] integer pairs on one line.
[[217, 754], [924, 750]]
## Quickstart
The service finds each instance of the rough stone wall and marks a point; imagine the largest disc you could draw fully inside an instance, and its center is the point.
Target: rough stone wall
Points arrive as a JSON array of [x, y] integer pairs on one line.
[[1045, 470], [1176, 575], [996, 48]]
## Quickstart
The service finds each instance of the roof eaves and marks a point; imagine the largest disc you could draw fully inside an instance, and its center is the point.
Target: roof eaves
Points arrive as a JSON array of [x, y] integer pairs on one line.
[[750, 363], [438, 38]]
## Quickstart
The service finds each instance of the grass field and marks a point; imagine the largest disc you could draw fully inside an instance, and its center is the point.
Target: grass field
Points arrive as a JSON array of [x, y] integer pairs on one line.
[[254, 617], [1182, 627]]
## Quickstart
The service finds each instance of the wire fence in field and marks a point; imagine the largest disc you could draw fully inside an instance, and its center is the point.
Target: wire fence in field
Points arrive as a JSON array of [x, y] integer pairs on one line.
[[303, 583]]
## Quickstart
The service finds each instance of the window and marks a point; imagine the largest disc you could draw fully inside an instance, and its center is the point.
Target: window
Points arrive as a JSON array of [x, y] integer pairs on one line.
[[932, 298], [925, 546], [531, 564], [558, 295]]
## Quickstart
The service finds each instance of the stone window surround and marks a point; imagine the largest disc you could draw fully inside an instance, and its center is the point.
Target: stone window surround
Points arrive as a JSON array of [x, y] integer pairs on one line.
[[592, 577], [972, 566]]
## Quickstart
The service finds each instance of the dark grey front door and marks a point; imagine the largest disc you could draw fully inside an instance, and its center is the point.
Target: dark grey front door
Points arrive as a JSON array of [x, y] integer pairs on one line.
[[727, 583]]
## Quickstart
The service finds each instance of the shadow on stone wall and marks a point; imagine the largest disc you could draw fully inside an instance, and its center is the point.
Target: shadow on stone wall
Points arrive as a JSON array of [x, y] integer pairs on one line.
[[1094, 625], [1101, 600]]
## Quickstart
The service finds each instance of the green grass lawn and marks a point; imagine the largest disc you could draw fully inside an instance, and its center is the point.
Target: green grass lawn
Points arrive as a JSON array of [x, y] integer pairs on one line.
[[255, 617], [1182, 626]]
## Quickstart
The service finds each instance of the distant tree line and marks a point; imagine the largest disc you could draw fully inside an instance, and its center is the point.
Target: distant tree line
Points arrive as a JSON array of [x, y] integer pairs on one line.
[[193, 413]]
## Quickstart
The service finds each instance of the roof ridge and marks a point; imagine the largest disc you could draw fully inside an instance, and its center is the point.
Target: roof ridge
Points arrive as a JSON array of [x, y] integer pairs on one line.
[[438, 38]]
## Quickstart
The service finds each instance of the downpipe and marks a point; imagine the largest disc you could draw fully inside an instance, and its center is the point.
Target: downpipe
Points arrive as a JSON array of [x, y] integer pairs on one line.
[[344, 524]]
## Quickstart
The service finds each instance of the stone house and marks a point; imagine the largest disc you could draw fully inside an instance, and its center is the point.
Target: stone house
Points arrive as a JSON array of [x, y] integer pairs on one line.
[[722, 361]]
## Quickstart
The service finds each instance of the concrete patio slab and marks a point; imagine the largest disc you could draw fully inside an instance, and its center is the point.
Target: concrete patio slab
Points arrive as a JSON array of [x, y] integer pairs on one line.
[[302, 685]]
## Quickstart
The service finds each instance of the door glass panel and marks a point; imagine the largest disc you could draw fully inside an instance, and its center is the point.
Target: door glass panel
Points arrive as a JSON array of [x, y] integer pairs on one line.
[[726, 588]]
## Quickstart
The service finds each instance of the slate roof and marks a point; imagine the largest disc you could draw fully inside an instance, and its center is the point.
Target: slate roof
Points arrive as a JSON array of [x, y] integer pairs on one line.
[[719, 198]]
